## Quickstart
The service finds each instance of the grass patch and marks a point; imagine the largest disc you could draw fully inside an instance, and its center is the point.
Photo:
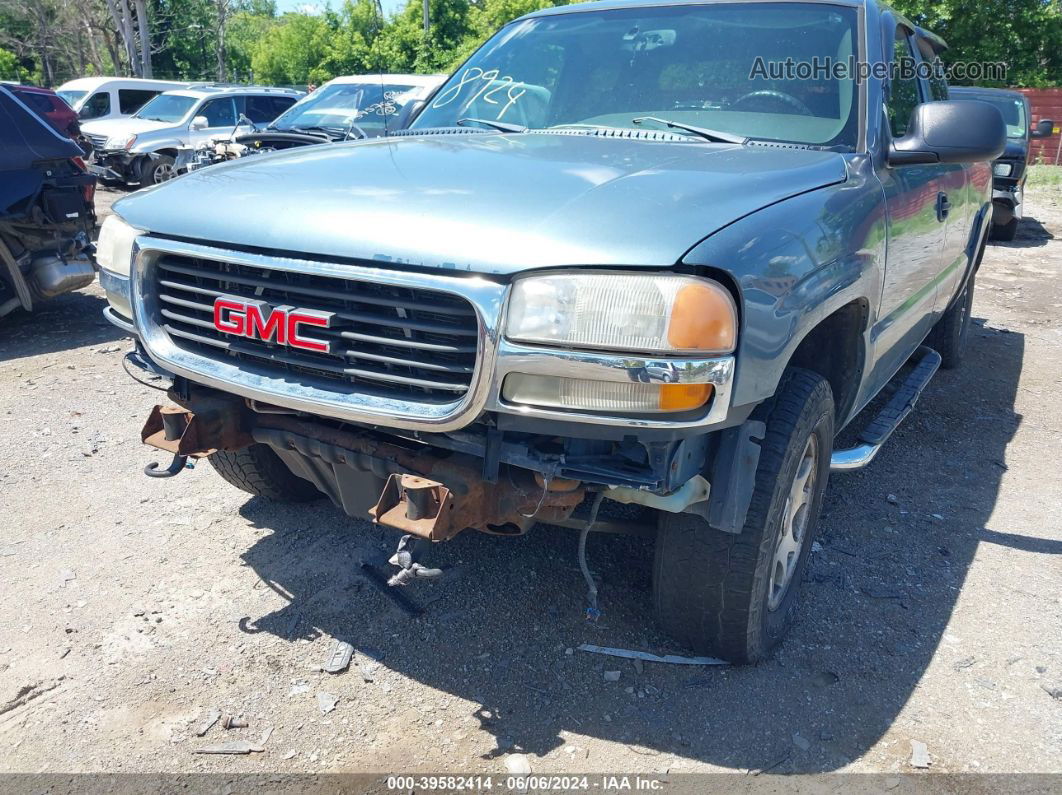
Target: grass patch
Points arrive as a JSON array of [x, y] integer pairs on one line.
[[1045, 176]]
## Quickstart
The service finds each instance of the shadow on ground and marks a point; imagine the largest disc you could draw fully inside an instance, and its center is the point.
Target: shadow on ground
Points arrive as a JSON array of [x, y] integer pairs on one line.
[[897, 539], [1031, 234], [73, 320]]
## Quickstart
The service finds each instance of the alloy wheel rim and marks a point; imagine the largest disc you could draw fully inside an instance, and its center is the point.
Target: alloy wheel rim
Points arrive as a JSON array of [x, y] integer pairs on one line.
[[793, 532], [163, 173]]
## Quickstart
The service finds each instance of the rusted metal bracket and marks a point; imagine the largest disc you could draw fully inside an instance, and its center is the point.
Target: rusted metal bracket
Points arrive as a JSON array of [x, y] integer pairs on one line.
[[449, 492], [420, 506], [438, 512], [215, 425]]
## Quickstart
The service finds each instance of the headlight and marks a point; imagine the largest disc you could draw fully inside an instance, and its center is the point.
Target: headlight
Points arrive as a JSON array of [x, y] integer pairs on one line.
[[667, 314], [114, 247], [1003, 169], [120, 142]]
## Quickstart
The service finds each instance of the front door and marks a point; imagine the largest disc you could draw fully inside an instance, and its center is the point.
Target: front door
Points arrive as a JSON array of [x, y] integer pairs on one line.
[[917, 199], [221, 119]]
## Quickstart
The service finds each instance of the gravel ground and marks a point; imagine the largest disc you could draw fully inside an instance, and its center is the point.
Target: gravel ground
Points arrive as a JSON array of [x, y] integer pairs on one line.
[[134, 607]]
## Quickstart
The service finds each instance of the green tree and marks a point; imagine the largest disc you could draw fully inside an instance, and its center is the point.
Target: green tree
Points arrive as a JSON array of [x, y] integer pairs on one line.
[[352, 49], [184, 32], [1026, 35], [8, 65], [246, 29], [291, 52], [403, 46]]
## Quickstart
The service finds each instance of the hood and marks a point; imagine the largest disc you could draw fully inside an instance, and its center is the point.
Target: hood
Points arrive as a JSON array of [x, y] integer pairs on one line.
[[128, 126], [484, 202]]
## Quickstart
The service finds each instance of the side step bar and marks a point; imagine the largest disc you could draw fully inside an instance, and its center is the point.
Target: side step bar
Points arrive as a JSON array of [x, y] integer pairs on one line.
[[874, 436]]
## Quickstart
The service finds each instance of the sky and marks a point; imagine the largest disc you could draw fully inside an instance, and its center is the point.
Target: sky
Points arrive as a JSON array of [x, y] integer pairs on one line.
[[315, 6]]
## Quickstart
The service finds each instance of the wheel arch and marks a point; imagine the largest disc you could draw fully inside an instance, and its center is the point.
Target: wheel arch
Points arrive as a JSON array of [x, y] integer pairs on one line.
[[835, 348]]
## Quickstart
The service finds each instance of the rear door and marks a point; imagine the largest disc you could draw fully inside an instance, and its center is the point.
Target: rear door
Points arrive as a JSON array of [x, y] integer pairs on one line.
[[953, 178], [262, 109], [915, 223]]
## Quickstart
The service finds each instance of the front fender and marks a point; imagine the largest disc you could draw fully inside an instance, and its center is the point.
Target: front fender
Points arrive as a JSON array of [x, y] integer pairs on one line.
[[155, 145], [794, 264]]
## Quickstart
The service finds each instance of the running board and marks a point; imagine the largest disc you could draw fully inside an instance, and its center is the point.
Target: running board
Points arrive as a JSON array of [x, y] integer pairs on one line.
[[874, 436]]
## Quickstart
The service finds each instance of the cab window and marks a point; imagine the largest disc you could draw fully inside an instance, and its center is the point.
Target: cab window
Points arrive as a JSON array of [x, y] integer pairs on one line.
[[99, 104], [130, 100], [219, 113], [265, 109], [903, 86], [938, 84]]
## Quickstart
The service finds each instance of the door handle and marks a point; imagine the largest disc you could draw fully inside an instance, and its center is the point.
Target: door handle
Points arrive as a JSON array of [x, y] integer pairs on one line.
[[943, 206]]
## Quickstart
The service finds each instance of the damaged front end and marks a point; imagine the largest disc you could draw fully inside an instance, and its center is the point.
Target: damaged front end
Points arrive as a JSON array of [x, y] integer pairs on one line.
[[415, 488], [433, 486]]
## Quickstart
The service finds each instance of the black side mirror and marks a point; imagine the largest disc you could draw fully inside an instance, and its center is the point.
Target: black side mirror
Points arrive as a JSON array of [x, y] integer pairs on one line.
[[1044, 128], [952, 131]]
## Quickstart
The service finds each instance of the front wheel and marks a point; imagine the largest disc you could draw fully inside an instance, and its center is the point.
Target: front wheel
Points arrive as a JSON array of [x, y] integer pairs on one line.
[[259, 471], [1005, 232], [156, 170], [735, 595]]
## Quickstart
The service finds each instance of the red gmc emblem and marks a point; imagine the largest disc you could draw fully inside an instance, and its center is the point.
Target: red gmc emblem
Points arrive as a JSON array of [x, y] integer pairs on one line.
[[257, 320]]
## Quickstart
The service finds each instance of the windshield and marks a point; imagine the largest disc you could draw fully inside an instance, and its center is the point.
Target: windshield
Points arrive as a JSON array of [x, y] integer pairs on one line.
[[370, 106], [1013, 110], [713, 66], [71, 97], [166, 107]]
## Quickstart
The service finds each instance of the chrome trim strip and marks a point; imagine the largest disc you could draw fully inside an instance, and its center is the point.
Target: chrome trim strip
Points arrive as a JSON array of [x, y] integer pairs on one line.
[[111, 315], [485, 296], [595, 366]]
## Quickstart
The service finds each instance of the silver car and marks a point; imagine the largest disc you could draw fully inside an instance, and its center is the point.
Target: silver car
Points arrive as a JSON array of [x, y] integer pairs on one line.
[[142, 149]]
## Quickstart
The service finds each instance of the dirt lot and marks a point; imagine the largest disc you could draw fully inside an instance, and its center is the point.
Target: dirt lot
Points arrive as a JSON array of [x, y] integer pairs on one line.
[[132, 607]]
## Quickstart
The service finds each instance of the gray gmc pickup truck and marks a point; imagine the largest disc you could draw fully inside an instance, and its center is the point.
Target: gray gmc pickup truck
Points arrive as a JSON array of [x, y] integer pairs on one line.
[[632, 268]]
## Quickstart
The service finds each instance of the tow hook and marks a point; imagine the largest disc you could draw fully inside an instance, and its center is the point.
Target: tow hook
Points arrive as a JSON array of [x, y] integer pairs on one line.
[[176, 467], [167, 425], [192, 435], [408, 568]]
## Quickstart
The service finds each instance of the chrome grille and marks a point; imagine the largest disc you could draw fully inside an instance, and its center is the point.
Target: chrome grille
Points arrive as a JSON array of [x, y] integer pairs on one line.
[[99, 142], [387, 340]]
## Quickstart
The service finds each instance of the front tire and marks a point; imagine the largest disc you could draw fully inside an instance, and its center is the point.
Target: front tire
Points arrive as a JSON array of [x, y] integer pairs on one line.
[[1005, 232], [735, 596], [259, 471], [156, 170]]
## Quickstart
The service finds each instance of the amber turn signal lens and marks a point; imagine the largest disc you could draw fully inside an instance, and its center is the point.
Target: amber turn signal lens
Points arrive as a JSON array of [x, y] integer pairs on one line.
[[703, 318], [683, 397]]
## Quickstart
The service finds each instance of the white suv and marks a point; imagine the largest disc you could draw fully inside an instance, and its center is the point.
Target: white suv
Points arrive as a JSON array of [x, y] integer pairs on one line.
[[142, 149]]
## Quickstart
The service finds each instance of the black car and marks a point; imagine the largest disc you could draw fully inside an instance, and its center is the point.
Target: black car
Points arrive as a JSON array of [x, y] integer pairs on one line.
[[46, 213], [1009, 171]]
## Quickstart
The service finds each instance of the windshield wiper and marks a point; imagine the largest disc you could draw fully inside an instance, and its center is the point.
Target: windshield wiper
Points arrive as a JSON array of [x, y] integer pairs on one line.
[[502, 126], [328, 131], [704, 132]]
